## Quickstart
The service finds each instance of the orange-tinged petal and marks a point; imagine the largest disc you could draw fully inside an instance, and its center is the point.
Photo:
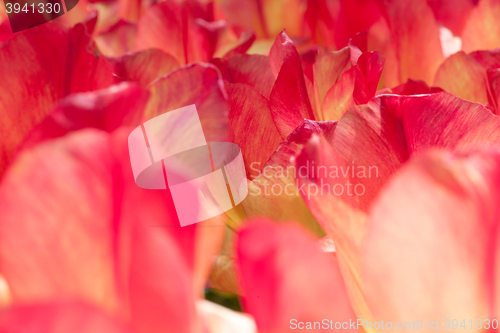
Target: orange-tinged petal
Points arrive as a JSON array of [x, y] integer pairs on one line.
[[356, 86], [251, 126], [464, 77], [482, 29], [144, 66], [118, 39], [251, 69], [277, 266], [415, 34]]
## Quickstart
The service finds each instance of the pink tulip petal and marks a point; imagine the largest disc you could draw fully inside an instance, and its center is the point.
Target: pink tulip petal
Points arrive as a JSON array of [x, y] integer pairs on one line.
[[452, 14], [277, 266], [440, 213], [58, 318]]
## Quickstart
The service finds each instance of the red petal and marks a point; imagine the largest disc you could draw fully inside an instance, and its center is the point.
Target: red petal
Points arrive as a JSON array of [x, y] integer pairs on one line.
[[253, 70], [38, 67], [251, 125], [289, 101], [414, 87], [107, 109], [59, 317], [278, 268], [355, 16], [172, 27], [143, 66], [440, 212], [452, 14], [118, 39], [198, 84]]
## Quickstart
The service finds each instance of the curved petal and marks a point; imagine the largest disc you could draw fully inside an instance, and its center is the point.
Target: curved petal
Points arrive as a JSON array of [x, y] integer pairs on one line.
[[274, 192], [251, 69], [143, 67], [198, 84], [118, 39], [95, 235], [289, 100], [482, 28], [107, 109], [251, 126], [440, 213], [38, 67], [415, 34], [278, 267]]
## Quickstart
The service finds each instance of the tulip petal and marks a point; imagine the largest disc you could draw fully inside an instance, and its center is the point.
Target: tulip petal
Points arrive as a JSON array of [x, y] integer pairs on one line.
[[172, 27], [253, 70], [356, 86], [107, 109], [143, 66], [38, 67], [274, 191], [118, 39], [464, 77], [452, 14], [415, 87], [96, 236], [415, 34], [440, 213], [482, 29], [59, 317], [289, 101], [277, 266], [198, 84], [251, 125]]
